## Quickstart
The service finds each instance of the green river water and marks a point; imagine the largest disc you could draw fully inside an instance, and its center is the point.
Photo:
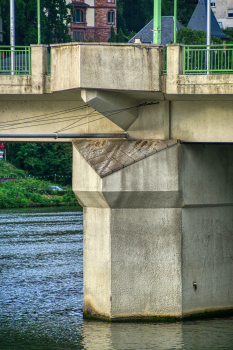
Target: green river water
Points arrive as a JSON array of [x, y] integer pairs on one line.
[[41, 290]]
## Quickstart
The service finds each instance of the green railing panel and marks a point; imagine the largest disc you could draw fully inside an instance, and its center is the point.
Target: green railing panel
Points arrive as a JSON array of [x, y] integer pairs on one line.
[[15, 60], [195, 59]]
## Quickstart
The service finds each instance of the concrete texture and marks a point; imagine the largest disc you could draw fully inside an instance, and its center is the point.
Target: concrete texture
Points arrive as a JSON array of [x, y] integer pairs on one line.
[[202, 121], [207, 258], [146, 262], [170, 225], [97, 262], [110, 66]]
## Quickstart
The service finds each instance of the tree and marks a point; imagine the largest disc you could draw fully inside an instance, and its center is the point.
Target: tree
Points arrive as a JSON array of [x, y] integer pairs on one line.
[[133, 15], [55, 18], [42, 159], [229, 33], [121, 36], [188, 36], [185, 9], [113, 37]]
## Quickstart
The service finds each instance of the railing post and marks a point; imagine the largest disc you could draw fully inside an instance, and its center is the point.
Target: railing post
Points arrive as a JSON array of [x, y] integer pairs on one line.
[[38, 67], [174, 66]]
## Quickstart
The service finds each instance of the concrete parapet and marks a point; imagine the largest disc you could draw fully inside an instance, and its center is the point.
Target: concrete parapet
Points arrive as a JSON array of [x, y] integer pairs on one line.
[[36, 83], [194, 85], [106, 66], [157, 230]]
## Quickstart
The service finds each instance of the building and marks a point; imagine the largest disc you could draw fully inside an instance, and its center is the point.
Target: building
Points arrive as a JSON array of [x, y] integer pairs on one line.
[[223, 10], [198, 21], [93, 20], [167, 31]]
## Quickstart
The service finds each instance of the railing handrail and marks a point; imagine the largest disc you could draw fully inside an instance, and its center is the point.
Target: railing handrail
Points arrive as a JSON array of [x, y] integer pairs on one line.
[[16, 46], [212, 45]]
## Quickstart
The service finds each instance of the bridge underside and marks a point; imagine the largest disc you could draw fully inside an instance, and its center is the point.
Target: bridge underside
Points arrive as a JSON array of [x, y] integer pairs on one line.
[[158, 208]]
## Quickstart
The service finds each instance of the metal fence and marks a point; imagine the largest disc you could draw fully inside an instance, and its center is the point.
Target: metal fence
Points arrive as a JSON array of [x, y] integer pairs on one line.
[[203, 59], [15, 60]]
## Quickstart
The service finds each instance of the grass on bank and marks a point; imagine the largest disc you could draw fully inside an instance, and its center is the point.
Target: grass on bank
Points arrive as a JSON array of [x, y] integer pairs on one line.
[[32, 192], [8, 170]]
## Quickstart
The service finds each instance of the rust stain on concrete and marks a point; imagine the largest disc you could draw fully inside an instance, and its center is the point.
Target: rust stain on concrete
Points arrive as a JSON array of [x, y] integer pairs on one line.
[[108, 156]]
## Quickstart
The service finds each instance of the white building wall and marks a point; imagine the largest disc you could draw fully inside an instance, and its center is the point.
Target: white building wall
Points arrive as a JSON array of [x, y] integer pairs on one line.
[[90, 17], [221, 10]]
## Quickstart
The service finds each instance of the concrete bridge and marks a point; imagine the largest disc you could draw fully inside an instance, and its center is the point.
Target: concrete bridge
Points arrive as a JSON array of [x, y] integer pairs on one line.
[[158, 206]]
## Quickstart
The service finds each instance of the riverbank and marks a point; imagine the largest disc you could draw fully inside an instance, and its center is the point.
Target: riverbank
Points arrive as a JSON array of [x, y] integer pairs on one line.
[[30, 192]]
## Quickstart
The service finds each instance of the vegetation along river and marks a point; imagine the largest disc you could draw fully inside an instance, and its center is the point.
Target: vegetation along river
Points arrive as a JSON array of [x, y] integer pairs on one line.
[[41, 286]]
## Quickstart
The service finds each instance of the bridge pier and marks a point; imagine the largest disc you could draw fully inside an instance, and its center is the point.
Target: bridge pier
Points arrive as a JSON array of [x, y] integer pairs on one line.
[[157, 227]]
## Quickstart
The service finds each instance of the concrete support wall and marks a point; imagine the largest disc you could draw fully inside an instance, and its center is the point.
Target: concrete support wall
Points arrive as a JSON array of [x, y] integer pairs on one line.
[[154, 228]]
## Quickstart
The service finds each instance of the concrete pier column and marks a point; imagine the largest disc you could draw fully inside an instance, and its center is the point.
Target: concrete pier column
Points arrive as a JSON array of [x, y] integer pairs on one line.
[[38, 67], [157, 227]]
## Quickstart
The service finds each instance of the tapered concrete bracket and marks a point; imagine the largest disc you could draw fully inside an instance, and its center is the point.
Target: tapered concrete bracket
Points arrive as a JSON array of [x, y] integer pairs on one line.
[[119, 109]]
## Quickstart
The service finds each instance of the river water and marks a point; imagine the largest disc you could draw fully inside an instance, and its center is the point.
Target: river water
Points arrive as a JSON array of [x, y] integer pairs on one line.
[[41, 284]]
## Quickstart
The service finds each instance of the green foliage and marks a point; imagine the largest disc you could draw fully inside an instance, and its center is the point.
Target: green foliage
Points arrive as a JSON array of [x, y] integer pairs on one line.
[[133, 15], [42, 159], [32, 192], [229, 33], [8, 170], [113, 36], [121, 37], [188, 36], [185, 9], [54, 21]]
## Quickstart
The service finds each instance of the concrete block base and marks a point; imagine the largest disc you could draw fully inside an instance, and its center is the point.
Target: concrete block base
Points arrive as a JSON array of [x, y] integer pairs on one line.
[[167, 253]]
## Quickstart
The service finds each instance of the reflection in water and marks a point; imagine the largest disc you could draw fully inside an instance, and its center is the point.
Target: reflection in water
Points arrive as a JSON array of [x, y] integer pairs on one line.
[[204, 334], [41, 294]]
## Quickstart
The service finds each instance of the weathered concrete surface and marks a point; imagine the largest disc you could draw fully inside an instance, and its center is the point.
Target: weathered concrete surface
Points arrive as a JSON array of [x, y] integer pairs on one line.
[[169, 218], [97, 262], [207, 258], [36, 83], [146, 262], [108, 156], [202, 121], [110, 66], [49, 113], [108, 103], [193, 85]]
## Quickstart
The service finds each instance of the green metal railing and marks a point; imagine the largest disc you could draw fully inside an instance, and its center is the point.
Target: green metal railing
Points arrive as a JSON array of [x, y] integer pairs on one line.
[[15, 60], [203, 59]]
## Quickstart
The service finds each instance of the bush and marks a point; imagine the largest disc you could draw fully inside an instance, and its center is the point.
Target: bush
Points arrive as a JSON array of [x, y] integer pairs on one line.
[[30, 191]]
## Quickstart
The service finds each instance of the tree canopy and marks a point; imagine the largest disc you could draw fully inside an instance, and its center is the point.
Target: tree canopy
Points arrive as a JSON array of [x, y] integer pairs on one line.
[[133, 15], [42, 159], [55, 18]]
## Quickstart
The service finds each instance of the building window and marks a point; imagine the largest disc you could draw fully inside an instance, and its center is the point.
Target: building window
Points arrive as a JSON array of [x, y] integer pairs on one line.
[[112, 1], [212, 3], [78, 36], [230, 13], [78, 18], [111, 17]]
